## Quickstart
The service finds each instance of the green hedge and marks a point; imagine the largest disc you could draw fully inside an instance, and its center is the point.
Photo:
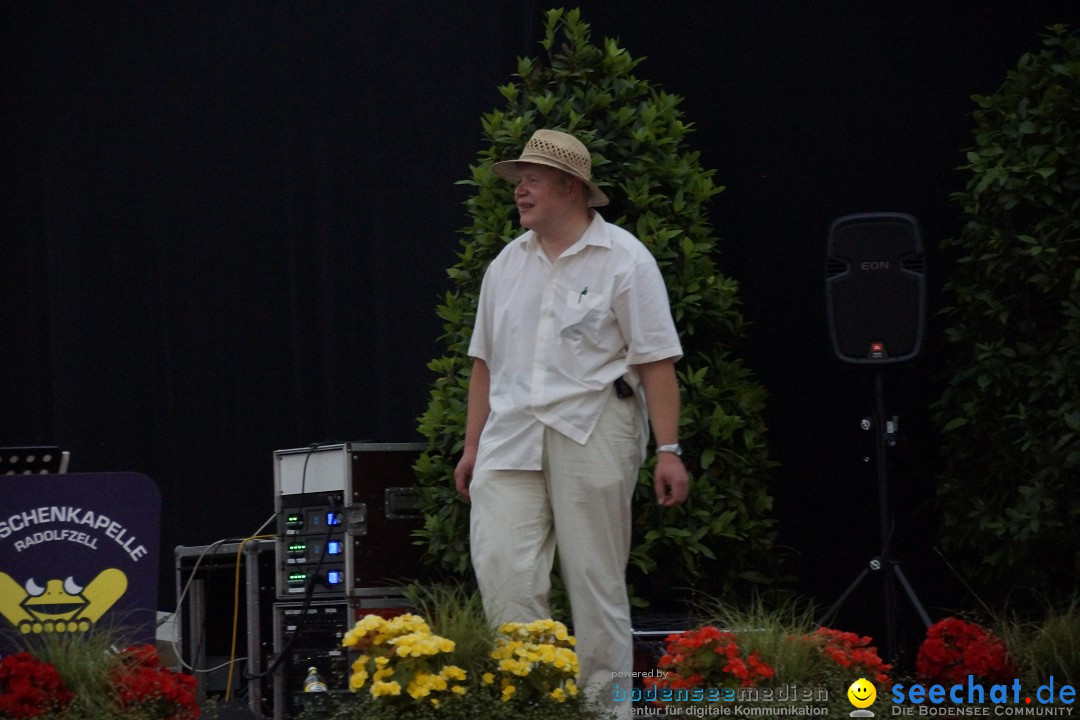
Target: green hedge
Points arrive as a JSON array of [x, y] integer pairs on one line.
[[724, 536], [1010, 412]]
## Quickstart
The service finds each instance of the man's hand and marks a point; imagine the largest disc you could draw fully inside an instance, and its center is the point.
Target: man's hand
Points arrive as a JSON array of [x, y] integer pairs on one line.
[[463, 473], [671, 481], [475, 418]]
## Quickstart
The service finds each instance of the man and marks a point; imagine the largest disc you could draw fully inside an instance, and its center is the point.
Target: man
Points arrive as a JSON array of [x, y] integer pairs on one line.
[[573, 328]]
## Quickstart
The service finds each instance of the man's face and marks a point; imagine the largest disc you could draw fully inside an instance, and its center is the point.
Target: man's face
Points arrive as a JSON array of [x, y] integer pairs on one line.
[[544, 196]]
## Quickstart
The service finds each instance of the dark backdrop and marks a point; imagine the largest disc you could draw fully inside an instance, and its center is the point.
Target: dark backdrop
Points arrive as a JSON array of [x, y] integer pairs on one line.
[[226, 225]]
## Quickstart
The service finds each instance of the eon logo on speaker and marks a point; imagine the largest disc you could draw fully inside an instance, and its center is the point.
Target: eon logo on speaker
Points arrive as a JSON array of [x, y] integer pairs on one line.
[[875, 265]]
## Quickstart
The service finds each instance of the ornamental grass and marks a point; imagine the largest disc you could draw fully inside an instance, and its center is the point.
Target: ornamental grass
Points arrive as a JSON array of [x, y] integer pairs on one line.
[[1033, 644]]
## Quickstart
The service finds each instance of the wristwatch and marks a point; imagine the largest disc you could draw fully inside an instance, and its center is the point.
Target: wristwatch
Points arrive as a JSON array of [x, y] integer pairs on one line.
[[673, 448]]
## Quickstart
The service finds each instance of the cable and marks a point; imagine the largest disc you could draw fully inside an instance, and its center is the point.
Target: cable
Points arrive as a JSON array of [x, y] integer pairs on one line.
[[236, 610], [187, 587], [198, 561], [179, 603]]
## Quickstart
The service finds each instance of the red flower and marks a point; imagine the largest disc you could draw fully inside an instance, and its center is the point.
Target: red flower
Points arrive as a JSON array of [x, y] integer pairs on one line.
[[954, 649], [853, 653], [708, 656], [30, 687], [141, 682]]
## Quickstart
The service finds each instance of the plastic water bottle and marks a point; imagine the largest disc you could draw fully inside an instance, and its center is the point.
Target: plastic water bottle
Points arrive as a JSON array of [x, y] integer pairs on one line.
[[314, 683]]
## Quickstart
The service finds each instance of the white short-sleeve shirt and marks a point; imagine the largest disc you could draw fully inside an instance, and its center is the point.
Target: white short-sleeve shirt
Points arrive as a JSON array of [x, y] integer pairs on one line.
[[556, 336]]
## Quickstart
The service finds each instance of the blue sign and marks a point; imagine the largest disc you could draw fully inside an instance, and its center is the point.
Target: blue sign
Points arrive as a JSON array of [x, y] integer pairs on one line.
[[78, 551]]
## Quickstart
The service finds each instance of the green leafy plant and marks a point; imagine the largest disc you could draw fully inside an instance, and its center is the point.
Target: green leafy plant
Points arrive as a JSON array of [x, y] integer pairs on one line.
[[723, 536], [1010, 413]]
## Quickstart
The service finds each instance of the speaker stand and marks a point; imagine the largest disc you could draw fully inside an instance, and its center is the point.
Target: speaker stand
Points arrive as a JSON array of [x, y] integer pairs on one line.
[[884, 438]]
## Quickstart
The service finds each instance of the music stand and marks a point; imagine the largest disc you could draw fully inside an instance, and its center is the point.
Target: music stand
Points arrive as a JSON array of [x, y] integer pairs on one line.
[[33, 460]]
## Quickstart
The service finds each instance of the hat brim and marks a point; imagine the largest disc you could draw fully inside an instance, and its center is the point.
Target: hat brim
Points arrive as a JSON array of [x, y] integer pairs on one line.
[[510, 170]]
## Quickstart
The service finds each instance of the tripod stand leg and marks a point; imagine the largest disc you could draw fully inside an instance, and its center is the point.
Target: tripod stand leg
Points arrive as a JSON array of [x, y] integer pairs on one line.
[[831, 614], [888, 607], [911, 595]]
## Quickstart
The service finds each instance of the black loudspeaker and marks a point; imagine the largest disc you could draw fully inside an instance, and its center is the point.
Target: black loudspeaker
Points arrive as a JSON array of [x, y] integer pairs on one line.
[[875, 287]]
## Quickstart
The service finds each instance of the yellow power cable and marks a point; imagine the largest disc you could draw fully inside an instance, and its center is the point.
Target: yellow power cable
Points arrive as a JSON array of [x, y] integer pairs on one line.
[[236, 612]]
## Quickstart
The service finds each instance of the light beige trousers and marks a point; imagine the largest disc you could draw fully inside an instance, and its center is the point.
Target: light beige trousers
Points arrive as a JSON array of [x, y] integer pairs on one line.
[[579, 502]]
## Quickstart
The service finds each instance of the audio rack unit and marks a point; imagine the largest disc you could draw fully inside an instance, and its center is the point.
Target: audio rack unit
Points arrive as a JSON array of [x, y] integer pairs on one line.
[[312, 633], [344, 547], [346, 514]]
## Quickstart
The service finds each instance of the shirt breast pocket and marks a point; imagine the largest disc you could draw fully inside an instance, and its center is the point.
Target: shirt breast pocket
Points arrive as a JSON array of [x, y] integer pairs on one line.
[[584, 312]]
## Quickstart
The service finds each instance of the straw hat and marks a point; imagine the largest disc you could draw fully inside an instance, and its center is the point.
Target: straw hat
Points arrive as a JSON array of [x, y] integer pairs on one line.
[[558, 150]]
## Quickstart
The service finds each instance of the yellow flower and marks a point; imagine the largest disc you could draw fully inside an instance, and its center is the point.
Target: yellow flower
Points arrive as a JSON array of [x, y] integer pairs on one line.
[[358, 679], [408, 623], [564, 659], [418, 644], [418, 691], [452, 672], [378, 689], [540, 651], [515, 667]]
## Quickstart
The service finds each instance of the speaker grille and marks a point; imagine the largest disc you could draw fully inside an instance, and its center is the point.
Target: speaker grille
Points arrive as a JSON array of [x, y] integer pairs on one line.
[[875, 287]]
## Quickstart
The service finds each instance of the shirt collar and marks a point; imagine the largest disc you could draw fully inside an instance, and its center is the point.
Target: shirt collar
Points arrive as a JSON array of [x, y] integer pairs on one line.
[[595, 234]]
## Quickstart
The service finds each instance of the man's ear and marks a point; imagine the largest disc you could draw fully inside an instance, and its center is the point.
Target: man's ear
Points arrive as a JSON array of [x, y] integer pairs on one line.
[[577, 186]]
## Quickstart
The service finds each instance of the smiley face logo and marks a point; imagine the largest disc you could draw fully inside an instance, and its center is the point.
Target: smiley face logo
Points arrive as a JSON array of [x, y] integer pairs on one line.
[[862, 693], [59, 606]]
